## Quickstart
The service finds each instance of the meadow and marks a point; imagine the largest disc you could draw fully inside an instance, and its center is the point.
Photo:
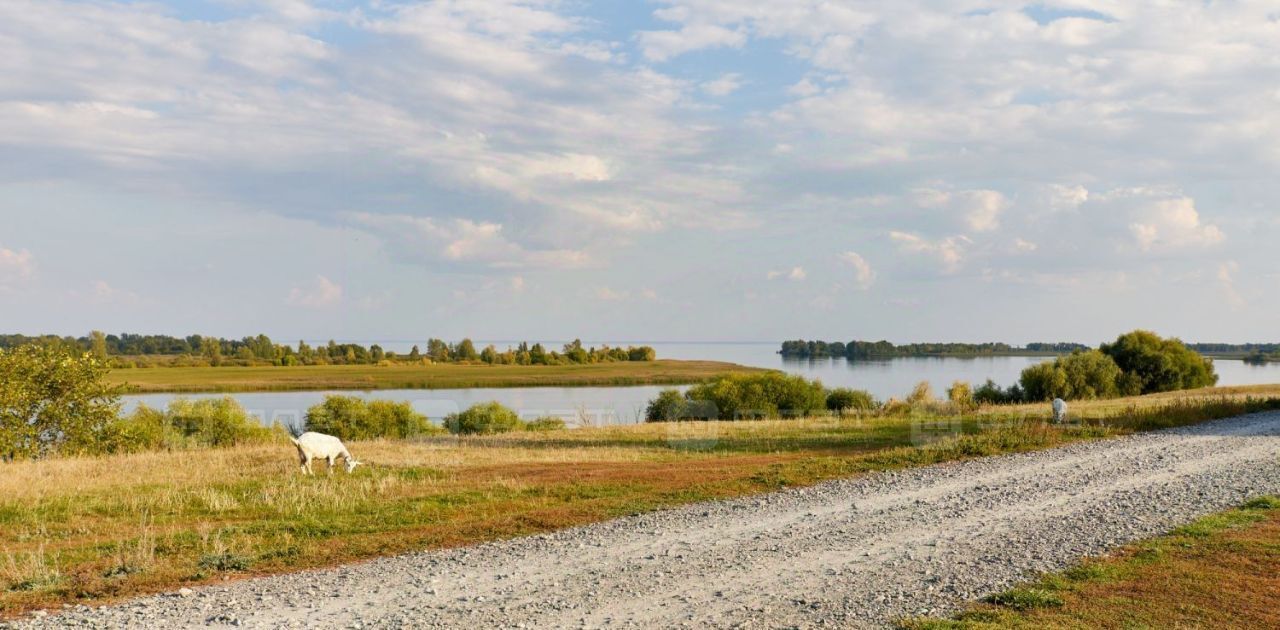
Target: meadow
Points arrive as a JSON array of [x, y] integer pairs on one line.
[[98, 528], [416, 376]]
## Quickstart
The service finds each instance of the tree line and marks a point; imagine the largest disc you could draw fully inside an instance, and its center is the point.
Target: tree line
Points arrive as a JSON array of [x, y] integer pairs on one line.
[[133, 350], [802, 349]]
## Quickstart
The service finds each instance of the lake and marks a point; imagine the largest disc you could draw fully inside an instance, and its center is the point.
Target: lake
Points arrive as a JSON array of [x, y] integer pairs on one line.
[[625, 405]]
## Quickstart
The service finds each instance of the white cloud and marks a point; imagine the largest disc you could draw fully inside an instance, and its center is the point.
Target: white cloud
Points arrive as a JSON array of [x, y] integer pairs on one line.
[[322, 293], [865, 275], [103, 293], [725, 85], [664, 45], [979, 209], [1023, 246], [607, 294], [1173, 224], [949, 251], [462, 242], [15, 265], [1067, 197], [804, 88], [795, 274], [1227, 281]]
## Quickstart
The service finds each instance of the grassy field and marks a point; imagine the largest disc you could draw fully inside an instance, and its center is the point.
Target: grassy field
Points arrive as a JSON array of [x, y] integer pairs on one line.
[[1222, 571], [89, 529], [442, 376]]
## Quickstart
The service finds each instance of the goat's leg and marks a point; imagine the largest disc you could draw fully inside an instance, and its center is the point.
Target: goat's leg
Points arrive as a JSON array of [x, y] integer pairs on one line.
[[330, 459]]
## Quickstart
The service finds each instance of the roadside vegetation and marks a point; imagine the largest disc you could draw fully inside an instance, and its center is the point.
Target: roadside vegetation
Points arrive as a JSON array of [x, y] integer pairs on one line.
[[1222, 571], [199, 492]]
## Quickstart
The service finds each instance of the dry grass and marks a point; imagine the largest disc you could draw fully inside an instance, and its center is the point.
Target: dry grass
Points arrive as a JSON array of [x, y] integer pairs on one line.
[[443, 376], [1222, 571], [88, 529]]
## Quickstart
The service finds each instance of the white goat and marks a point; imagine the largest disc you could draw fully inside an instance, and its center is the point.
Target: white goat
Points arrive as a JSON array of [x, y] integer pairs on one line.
[[312, 445], [1059, 410]]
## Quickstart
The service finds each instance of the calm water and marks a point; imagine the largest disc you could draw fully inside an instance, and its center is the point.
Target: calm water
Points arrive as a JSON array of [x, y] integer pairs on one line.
[[624, 405]]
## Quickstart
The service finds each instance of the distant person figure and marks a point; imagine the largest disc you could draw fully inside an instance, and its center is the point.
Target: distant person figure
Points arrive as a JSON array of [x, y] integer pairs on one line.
[[1059, 410]]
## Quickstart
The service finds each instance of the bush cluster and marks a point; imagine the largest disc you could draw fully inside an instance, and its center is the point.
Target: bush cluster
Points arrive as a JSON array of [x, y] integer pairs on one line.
[[842, 400], [1139, 362], [493, 417], [211, 422], [353, 418], [752, 395]]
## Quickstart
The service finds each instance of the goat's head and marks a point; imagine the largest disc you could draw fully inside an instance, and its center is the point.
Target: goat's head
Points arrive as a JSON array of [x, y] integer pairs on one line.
[[351, 464]]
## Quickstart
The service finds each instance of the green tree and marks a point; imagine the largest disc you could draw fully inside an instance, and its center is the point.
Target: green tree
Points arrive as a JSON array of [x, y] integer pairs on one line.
[[1044, 381], [670, 405], [765, 394], [98, 345], [1090, 374], [466, 351], [52, 400], [575, 352], [415, 355], [1080, 375], [376, 353], [211, 349], [1159, 365], [438, 350], [489, 354]]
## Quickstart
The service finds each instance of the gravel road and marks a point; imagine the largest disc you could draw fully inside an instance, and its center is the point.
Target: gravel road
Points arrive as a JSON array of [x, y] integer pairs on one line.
[[850, 553]]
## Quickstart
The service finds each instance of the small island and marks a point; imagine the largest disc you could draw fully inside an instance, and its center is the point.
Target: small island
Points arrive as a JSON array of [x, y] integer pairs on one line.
[[199, 364]]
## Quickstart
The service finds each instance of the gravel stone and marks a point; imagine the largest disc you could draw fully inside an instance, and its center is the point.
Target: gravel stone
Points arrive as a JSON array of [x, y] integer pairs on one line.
[[920, 540]]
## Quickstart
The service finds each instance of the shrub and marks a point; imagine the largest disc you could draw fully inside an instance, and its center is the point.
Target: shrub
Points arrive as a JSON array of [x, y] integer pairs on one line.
[[185, 424], [483, 419], [146, 429], [52, 400], [215, 422], [991, 394], [1079, 375], [1090, 374], [961, 395], [842, 399], [762, 394], [642, 353], [549, 423], [921, 394], [352, 418], [1159, 365], [670, 405]]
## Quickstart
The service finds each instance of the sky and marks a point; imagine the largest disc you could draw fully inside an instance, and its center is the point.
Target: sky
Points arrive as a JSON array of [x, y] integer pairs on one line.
[[913, 170]]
